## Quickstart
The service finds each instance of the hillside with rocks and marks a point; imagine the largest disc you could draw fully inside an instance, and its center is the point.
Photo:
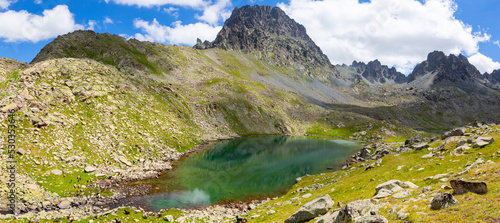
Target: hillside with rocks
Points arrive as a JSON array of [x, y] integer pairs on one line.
[[97, 110]]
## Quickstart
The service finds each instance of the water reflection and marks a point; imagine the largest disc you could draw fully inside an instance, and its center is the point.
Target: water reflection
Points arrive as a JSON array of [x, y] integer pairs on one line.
[[236, 169]]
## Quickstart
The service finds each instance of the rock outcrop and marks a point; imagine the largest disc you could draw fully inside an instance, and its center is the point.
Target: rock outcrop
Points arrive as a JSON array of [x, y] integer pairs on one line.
[[462, 187]]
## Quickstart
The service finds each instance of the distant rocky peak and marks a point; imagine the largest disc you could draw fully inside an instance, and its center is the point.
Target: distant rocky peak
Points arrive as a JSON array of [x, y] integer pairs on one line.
[[494, 76], [271, 35], [375, 72], [447, 69]]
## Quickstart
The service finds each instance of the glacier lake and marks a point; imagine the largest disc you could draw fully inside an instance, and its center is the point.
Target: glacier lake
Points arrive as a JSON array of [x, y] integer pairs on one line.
[[243, 169]]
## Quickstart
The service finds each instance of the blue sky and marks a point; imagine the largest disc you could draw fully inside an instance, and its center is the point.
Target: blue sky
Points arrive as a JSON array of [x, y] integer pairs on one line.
[[399, 33]]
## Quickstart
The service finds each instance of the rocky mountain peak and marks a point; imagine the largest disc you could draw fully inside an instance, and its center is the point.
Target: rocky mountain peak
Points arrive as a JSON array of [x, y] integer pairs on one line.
[[270, 34], [375, 72], [494, 76], [447, 69]]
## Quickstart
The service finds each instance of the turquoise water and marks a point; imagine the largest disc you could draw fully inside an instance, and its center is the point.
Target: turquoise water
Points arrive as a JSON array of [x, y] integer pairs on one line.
[[245, 169]]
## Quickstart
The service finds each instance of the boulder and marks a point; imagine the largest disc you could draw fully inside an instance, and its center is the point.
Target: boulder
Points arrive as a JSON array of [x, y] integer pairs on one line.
[[461, 149], [455, 132], [328, 217], [64, 204], [25, 94], [168, 218], [21, 151], [371, 219], [56, 172], [7, 108], [413, 140], [241, 219], [482, 141], [462, 187], [461, 142], [365, 152], [356, 210], [402, 194], [420, 146], [427, 156], [124, 160], [395, 186], [312, 209], [382, 194], [443, 200], [426, 189], [89, 169]]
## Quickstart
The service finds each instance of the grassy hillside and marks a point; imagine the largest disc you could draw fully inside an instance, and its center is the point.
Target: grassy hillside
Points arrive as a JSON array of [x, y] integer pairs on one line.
[[356, 184]]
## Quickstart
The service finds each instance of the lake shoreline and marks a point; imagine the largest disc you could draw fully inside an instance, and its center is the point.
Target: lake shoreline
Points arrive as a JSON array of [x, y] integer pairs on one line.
[[123, 188]]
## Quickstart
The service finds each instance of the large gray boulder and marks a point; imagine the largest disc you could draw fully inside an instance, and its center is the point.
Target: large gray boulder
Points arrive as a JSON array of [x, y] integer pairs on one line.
[[413, 140], [64, 204], [312, 209], [455, 132], [462, 187], [420, 146], [443, 200], [482, 141], [356, 210], [394, 186]]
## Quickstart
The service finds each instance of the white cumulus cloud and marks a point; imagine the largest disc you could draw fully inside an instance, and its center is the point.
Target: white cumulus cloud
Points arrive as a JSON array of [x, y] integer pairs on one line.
[[151, 3], [484, 63], [177, 33], [4, 4], [23, 26], [399, 33], [218, 11]]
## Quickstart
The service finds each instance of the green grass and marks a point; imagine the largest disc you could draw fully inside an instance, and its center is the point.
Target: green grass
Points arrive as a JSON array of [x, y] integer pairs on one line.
[[319, 129]]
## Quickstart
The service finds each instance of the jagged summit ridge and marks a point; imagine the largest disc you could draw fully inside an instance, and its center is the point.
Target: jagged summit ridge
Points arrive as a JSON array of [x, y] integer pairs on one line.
[[450, 69], [374, 71], [272, 35]]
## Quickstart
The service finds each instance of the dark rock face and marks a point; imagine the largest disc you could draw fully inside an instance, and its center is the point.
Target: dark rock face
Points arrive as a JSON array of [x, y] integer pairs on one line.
[[374, 71], [443, 200], [462, 187], [494, 76], [272, 35], [452, 69]]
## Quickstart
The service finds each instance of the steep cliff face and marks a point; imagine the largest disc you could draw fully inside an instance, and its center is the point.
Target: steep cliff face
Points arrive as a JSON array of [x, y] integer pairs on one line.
[[272, 35]]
